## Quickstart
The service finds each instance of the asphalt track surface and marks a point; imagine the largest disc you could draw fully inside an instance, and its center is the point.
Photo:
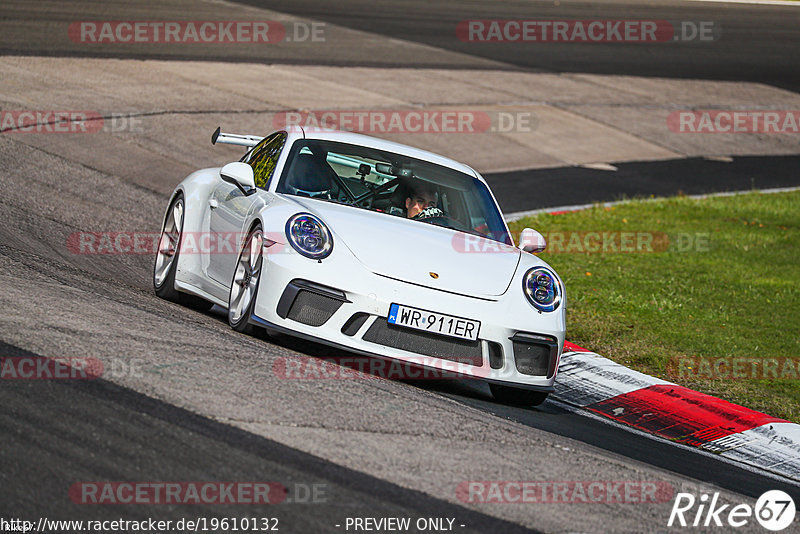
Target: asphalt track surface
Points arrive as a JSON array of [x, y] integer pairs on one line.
[[54, 434], [569, 186], [96, 430], [758, 45], [559, 419]]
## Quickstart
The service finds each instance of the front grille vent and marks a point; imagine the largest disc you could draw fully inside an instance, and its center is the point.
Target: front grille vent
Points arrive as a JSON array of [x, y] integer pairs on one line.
[[425, 343]]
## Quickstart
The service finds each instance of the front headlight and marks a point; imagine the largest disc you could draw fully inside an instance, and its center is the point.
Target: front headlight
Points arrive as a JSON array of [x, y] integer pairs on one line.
[[309, 236], [542, 288]]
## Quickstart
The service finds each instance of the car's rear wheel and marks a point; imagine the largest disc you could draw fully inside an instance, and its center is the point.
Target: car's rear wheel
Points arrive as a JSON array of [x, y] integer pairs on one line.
[[244, 287], [517, 396], [167, 260]]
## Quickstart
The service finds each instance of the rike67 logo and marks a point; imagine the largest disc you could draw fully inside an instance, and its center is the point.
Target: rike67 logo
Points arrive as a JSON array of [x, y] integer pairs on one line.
[[774, 510]]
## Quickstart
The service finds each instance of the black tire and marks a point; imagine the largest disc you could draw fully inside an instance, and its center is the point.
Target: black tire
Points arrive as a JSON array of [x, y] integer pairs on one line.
[[246, 277], [517, 396], [164, 275]]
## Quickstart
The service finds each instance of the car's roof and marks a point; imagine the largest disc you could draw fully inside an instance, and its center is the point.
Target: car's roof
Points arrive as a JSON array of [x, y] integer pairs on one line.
[[383, 144]]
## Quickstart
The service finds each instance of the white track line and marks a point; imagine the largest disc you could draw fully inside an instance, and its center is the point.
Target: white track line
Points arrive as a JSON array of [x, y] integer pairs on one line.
[[764, 2], [577, 207]]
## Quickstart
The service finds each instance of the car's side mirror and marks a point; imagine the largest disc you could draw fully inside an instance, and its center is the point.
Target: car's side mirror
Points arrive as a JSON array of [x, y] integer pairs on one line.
[[241, 175], [531, 241]]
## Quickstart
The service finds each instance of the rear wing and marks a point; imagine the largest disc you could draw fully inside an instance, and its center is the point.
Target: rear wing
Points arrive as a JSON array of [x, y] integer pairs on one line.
[[235, 139]]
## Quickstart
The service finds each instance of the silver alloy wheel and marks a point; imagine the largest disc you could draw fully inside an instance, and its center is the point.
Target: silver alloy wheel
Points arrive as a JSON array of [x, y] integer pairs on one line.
[[245, 278], [168, 243]]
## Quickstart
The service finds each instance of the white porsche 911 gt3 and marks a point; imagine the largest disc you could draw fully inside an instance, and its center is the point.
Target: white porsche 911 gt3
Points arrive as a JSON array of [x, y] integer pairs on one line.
[[371, 246]]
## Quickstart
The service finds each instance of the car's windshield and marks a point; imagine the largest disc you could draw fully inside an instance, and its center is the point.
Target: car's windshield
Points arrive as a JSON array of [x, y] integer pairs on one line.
[[392, 183]]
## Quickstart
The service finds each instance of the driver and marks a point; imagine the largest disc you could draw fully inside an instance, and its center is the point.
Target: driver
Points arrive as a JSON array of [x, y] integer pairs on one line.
[[421, 202]]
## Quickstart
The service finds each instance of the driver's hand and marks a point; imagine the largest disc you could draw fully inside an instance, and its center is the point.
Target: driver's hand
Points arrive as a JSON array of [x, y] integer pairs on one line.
[[428, 213]]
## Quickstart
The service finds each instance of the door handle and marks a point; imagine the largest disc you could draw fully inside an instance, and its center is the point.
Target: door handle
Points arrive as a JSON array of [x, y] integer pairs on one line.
[[212, 203]]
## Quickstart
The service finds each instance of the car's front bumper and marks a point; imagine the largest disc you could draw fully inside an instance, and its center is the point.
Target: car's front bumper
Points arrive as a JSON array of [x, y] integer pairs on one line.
[[341, 303]]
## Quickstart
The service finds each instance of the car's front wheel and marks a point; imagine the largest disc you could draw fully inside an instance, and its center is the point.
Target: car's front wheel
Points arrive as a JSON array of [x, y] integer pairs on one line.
[[244, 287], [517, 396]]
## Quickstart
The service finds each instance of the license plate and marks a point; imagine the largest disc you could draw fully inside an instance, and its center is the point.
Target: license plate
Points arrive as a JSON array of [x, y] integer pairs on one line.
[[438, 323]]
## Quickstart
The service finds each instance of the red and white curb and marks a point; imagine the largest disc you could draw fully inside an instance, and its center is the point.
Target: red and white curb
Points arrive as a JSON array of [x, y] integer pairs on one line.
[[608, 389]]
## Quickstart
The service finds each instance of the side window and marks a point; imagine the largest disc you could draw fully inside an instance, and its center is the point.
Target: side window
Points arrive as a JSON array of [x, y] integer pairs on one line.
[[265, 158]]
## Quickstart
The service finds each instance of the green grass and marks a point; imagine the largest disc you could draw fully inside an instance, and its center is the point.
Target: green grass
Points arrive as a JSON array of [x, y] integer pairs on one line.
[[735, 294]]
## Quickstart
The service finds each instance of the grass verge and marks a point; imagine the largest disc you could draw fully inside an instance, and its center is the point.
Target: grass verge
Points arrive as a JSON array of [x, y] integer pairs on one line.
[[702, 292]]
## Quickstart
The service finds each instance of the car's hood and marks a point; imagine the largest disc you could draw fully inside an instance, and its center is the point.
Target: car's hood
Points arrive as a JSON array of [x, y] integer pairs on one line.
[[419, 253]]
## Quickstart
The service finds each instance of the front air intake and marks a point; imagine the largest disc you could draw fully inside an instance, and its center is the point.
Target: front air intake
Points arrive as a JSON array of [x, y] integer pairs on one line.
[[309, 303], [535, 354]]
